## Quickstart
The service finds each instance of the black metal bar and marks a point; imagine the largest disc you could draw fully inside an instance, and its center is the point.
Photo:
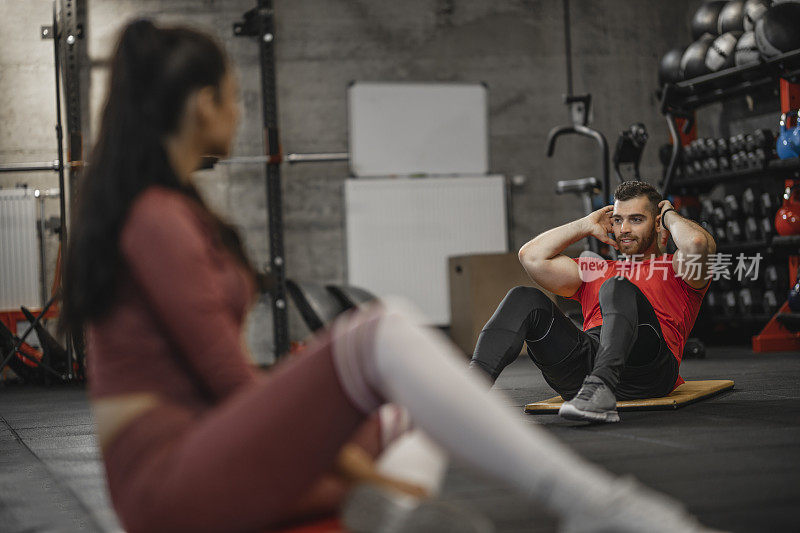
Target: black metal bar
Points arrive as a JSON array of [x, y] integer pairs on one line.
[[72, 45], [62, 234], [259, 23], [30, 167], [669, 174], [568, 45]]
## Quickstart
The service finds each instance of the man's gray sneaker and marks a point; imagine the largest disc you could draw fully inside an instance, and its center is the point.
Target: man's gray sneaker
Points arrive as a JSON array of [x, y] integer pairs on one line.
[[594, 402]]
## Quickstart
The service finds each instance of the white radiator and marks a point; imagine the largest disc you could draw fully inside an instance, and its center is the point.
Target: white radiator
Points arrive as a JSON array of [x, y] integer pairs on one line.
[[19, 252], [400, 232]]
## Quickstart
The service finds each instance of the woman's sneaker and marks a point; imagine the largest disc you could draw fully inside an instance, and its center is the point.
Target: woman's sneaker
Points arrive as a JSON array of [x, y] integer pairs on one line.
[[594, 403]]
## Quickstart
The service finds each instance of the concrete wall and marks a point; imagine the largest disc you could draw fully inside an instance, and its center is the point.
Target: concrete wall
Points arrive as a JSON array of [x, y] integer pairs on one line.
[[515, 46]]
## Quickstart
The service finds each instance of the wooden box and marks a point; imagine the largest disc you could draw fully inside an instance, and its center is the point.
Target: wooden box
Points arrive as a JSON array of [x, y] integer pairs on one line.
[[478, 283]]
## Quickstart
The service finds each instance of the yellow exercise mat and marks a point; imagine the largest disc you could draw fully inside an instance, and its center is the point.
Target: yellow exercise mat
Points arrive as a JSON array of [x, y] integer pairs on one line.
[[688, 392]]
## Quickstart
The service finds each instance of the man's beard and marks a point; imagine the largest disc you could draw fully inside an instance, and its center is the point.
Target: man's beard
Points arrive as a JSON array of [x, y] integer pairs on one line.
[[643, 244]]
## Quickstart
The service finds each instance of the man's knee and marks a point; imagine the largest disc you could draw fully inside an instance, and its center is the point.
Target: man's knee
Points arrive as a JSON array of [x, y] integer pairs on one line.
[[529, 297], [614, 286]]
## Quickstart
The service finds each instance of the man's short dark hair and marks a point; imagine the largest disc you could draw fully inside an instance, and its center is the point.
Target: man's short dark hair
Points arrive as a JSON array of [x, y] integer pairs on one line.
[[628, 190]]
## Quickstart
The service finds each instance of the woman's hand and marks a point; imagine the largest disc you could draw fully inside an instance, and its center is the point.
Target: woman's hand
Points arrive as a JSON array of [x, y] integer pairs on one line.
[[598, 224]]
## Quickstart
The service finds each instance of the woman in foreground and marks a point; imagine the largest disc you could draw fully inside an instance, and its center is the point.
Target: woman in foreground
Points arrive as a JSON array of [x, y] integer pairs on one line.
[[194, 438]]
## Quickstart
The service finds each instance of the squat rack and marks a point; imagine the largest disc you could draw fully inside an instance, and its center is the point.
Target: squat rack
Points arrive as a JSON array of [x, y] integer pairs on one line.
[[67, 35]]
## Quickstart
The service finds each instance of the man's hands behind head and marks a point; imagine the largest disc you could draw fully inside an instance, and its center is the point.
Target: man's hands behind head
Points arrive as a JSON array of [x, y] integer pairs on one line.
[[598, 224]]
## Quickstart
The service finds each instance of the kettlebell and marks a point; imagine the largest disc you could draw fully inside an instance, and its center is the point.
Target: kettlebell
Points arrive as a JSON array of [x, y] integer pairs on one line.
[[794, 138], [784, 145], [787, 219], [794, 296], [694, 349]]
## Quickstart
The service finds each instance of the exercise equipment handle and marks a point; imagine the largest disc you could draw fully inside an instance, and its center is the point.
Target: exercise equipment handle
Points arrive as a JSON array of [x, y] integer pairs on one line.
[[585, 131]]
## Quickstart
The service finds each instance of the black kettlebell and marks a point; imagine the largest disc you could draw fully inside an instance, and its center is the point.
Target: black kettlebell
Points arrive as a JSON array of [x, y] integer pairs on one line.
[[794, 296], [694, 349]]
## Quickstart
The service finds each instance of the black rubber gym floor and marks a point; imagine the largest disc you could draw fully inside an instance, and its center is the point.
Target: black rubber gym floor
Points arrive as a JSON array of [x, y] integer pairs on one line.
[[733, 460]]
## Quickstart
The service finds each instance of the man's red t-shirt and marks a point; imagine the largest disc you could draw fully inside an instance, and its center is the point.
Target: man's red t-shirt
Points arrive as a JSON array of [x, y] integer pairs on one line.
[[675, 302]]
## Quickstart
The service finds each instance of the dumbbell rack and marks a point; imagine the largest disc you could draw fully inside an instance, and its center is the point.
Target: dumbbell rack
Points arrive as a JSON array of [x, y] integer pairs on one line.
[[678, 105]]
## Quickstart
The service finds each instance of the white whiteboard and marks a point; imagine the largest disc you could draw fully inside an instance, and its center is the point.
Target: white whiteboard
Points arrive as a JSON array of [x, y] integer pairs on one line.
[[400, 233], [418, 128]]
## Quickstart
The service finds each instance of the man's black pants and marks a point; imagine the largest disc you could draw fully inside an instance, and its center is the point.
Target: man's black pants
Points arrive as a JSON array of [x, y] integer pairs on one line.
[[627, 352]]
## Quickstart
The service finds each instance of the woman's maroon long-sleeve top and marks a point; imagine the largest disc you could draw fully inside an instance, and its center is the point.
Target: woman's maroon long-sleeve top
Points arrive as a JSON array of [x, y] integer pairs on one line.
[[176, 324]]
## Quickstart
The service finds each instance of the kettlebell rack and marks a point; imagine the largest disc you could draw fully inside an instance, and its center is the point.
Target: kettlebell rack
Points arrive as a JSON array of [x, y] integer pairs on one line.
[[678, 105]]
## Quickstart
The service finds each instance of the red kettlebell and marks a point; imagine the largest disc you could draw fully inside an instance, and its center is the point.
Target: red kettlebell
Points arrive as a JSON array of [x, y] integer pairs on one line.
[[787, 219]]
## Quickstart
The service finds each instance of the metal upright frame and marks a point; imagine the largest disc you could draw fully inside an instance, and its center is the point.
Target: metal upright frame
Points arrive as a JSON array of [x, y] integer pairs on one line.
[[259, 22]]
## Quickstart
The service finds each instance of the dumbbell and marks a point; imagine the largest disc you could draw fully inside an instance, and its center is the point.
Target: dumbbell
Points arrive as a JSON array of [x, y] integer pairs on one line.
[[730, 303], [776, 278], [750, 301], [767, 205], [711, 166], [693, 151], [749, 142], [711, 147], [706, 208], [722, 147], [761, 158], [752, 230], [751, 273], [749, 202], [770, 302], [724, 164], [764, 139], [744, 161], [720, 234], [697, 166], [712, 302], [734, 231], [766, 228], [731, 207], [699, 149], [739, 160], [718, 216], [737, 142], [753, 161], [732, 144]]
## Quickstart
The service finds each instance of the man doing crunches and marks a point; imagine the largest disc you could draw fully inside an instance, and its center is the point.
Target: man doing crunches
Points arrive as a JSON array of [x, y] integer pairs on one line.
[[638, 310]]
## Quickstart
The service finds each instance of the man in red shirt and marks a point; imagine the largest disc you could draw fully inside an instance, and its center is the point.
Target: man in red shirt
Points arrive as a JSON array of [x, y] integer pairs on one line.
[[638, 310]]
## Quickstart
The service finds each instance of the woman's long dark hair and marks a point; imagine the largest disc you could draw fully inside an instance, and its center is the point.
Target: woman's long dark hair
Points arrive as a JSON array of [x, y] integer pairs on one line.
[[153, 72]]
